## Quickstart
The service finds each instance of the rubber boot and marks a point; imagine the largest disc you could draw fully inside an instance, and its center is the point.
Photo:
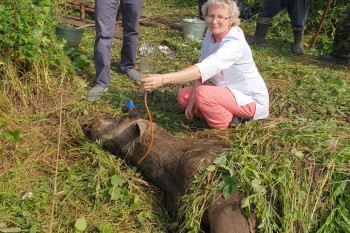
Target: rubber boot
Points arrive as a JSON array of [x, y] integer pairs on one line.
[[334, 59], [298, 42], [262, 25], [329, 58]]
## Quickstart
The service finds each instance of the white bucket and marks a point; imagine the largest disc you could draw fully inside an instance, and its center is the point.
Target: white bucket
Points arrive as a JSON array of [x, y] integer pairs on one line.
[[193, 29]]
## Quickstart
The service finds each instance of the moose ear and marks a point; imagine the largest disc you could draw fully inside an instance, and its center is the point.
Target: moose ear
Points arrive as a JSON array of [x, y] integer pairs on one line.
[[142, 126]]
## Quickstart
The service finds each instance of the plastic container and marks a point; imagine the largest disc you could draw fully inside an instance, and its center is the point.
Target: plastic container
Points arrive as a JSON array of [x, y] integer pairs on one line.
[[72, 35], [193, 29]]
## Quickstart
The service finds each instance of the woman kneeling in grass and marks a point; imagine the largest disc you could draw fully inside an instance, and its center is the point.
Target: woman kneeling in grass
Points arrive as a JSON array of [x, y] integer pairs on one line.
[[227, 84]]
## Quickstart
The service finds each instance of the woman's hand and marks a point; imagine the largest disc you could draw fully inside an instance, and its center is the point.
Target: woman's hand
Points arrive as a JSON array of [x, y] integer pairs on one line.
[[151, 81], [191, 109]]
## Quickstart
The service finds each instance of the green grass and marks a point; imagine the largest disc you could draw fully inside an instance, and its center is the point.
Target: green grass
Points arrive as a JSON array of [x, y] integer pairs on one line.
[[293, 167]]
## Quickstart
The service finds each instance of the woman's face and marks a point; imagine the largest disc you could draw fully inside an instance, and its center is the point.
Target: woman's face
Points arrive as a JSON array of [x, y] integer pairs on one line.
[[219, 20]]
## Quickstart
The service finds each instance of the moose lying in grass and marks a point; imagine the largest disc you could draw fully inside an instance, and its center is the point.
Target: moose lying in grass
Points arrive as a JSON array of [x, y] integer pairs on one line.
[[170, 165]]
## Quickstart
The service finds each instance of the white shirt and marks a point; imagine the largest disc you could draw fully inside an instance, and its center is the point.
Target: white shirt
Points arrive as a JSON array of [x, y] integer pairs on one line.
[[229, 63]]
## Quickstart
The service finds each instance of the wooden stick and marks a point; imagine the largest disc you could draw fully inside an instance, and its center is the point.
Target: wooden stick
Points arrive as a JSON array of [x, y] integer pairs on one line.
[[82, 11], [325, 12]]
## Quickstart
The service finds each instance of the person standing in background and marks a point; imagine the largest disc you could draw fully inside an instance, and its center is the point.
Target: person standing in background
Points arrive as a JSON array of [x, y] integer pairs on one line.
[[297, 11], [200, 4], [341, 41], [105, 20], [246, 12]]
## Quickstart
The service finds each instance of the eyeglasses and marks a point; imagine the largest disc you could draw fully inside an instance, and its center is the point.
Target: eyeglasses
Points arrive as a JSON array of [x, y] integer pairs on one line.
[[210, 18]]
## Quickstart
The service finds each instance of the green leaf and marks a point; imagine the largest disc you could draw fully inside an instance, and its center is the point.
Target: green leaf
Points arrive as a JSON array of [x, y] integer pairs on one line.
[[141, 218], [37, 34], [34, 228], [297, 153], [2, 122], [256, 184], [211, 168], [344, 213], [116, 180], [227, 192], [229, 186], [136, 200], [245, 202], [80, 224], [222, 160], [115, 194], [10, 230], [104, 228], [12, 135], [339, 190], [80, 62]]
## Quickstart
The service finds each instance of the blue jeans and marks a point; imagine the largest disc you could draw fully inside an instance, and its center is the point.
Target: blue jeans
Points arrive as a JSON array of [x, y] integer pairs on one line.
[[297, 10], [105, 20]]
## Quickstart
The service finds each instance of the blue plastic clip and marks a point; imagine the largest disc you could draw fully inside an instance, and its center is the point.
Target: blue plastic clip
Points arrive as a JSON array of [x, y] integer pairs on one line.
[[129, 104]]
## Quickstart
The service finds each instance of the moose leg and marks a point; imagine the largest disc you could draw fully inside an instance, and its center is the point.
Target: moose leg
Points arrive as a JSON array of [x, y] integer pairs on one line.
[[228, 217]]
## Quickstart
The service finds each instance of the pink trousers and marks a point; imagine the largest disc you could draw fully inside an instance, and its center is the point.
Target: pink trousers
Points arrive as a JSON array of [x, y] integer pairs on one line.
[[216, 105]]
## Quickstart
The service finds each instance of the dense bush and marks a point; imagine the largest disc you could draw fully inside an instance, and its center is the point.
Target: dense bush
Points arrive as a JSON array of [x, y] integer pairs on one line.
[[27, 31], [30, 50]]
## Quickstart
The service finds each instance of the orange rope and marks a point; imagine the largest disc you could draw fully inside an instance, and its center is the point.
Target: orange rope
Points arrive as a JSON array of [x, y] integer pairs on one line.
[[151, 143]]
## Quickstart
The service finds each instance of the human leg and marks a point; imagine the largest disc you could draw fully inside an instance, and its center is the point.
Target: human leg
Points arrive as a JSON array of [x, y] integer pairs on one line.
[[105, 18], [200, 4], [131, 12], [298, 47], [183, 98], [298, 11], [341, 42], [218, 106], [270, 9]]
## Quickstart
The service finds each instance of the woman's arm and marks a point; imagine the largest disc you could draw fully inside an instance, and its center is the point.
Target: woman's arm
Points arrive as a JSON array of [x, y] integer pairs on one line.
[[191, 107], [153, 81]]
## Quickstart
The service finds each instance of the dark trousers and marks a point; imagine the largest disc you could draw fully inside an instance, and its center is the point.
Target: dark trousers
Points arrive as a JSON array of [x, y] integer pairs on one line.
[[200, 4], [105, 20], [342, 36], [297, 10]]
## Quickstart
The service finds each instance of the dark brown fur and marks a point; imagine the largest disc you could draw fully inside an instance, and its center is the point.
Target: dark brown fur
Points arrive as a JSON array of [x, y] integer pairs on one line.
[[170, 165]]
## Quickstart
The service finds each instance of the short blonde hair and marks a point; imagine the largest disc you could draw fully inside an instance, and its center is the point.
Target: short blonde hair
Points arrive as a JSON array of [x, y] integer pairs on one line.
[[226, 4]]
